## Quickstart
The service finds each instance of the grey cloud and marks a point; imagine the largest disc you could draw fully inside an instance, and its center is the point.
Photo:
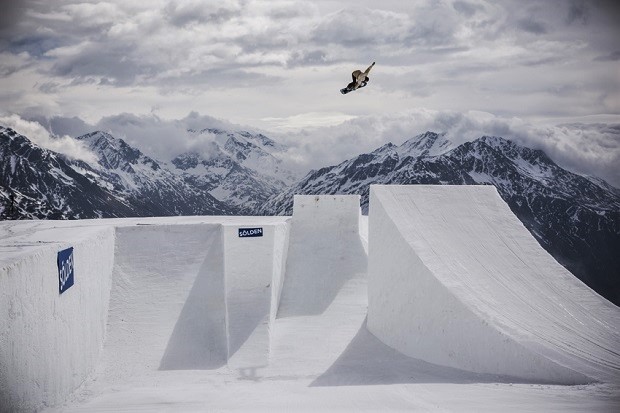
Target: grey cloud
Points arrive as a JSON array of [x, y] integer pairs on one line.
[[35, 45], [467, 8], [10, 63], [433, 27], [611, 8], [71, 126], [45, 26], [309, 58], [612, 57], [39, 134], [93, 17], [161, 138], [148, 133], [130, 54], [590, 149], [196, 121], [578, 12], [215, 78], [117, 63], [290, 10], [53, 33], [266, 40], [12, 13], [360, 27], [531, 26], [151, 134], [543, 60], [202, 12], [516, 21], [104, 81], [49, 87]]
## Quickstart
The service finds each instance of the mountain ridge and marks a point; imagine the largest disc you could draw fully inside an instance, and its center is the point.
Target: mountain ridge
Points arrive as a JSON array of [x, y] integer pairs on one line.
[[39, 183], [240, 168], [123, 182]]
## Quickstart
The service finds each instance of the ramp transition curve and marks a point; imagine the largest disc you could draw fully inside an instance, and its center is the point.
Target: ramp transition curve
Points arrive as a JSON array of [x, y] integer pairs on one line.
[[455, 279]]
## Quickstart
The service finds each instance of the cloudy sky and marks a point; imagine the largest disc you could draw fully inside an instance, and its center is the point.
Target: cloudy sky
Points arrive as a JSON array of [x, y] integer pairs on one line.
[[545, 73]]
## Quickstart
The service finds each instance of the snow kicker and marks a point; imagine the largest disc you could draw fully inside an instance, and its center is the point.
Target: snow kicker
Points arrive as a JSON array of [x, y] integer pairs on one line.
[[455, 279]]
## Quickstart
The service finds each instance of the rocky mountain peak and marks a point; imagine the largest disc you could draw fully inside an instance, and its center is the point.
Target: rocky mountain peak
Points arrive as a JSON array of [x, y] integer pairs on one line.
[[241, 167], [114, 153], [426, 144]]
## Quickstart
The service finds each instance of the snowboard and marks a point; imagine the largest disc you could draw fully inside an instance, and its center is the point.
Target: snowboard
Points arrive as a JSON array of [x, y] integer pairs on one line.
[[348, 89]]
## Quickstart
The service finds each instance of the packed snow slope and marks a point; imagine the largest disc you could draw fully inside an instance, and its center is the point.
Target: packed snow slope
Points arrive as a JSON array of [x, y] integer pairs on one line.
[[455, 279]]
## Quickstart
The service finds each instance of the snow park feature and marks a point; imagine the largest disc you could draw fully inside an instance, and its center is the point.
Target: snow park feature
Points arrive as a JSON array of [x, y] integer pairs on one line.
[[472, 281], [438, 300], [50, 342]]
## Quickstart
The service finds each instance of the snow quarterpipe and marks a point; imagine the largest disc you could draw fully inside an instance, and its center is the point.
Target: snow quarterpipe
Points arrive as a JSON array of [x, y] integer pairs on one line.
[[455, 279]]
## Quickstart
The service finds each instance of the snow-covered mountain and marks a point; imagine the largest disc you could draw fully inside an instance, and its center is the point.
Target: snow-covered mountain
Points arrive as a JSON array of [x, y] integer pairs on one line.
[[239, 168], [235, 173], [147, 183], [39, 183], [576, 219]]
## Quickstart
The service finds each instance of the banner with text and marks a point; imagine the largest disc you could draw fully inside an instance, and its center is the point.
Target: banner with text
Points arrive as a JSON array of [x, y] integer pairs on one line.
[[65, 269], [250, 232]]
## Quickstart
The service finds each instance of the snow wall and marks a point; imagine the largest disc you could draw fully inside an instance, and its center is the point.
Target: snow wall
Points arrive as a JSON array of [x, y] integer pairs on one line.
[[254, 273], [211, 294], [325, 251], [49, 342], [455, 279], [196, 295]]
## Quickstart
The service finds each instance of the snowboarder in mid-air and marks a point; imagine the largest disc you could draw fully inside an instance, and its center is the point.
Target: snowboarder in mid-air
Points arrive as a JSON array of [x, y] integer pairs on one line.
[[360, 79]]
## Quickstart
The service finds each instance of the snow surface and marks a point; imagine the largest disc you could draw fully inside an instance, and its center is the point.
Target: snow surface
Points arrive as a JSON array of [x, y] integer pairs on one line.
[[471, 281], [49, 343], [202, 320]]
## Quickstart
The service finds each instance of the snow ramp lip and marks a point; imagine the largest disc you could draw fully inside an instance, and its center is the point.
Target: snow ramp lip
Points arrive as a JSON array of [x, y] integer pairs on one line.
[[455, 279]]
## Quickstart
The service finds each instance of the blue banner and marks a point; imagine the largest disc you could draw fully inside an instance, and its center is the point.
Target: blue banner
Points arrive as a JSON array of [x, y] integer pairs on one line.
[[250, 232], [65, 269]]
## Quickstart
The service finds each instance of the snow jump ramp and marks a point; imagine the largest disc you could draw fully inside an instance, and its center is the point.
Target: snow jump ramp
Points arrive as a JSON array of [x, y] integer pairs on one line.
[[455, 279], [325, 253]]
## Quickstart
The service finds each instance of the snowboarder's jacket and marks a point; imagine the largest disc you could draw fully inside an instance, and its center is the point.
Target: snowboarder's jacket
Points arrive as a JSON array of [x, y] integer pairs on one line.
[[360, 78]]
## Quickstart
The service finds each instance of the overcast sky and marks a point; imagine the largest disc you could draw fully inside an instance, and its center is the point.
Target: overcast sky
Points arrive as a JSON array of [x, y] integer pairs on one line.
[[545, 73]]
